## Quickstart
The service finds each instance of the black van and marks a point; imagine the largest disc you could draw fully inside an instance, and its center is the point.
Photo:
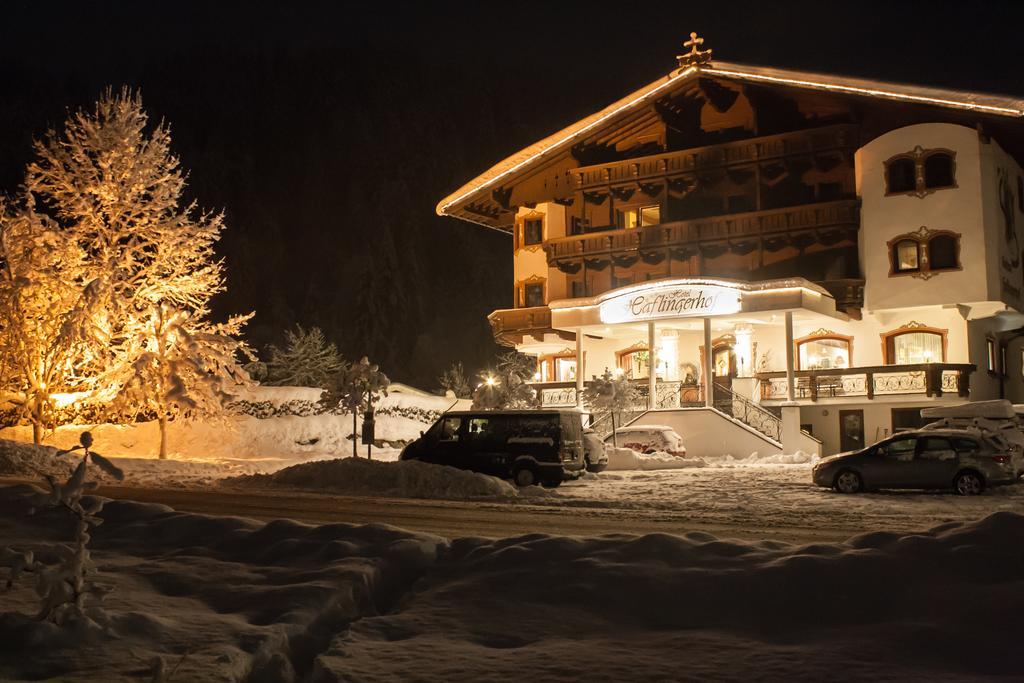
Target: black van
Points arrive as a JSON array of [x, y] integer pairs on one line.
[[527, 446]]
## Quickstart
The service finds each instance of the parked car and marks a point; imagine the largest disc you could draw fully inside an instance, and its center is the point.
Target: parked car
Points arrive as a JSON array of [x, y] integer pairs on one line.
[[528, 446], [965, 460], [1000, 416], [595, 451], [649, 438]]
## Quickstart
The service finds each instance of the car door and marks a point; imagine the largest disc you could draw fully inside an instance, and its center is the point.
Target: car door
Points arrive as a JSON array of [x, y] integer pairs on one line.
[[450, 445], [935, 461], [893, 463]]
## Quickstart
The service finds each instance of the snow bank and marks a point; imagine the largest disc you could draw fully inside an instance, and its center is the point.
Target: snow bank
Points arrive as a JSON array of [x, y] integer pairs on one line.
[[31, 462], [628, 459], [798, 458], [287, 601], [406, 479]]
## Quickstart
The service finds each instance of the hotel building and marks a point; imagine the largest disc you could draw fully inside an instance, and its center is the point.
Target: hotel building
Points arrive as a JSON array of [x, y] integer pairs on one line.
[[827, 254]]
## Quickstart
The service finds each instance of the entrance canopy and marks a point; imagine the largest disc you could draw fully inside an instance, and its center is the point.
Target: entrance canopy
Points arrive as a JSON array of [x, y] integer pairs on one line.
[[680, 298]]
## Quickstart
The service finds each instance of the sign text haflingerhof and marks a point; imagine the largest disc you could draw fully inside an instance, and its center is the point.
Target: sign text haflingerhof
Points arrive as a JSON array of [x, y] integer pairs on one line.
[[670, 302]]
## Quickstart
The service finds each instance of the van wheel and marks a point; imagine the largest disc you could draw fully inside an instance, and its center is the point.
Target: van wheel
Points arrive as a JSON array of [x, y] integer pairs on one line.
[[525, 475], [968, 484]]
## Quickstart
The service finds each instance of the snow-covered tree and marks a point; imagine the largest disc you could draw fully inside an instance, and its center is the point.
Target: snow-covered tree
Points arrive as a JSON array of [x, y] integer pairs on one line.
[[354, 388], [506, 386], [454, 380], [112, 183], [181, 367], [307, 359], [47, 308], [611, 394]]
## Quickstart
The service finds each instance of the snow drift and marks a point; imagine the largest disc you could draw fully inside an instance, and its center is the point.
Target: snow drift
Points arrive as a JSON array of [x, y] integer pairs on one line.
[[629, 459], [406, 479], [227, 599]]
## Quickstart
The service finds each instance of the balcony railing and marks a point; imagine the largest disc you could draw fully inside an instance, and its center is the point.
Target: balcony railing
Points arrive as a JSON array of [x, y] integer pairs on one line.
[[741, 153], [826, 222], [930, 379], [510, 324]]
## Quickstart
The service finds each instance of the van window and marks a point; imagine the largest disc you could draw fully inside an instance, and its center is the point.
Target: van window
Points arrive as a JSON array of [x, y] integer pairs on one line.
[[540, 426], [450, 429]]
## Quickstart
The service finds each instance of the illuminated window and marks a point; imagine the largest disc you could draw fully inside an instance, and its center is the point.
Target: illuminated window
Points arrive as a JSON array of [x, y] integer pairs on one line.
[[915, 346], [565, 369], [823, 352], [638, 216], [906, 256], [533, 231], [635, 363], [924, 252]]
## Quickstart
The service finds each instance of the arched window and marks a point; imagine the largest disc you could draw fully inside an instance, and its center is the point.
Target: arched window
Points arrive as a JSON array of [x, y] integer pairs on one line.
[[822, 350], [913, 344], [924, 252], [920, 172], [943, 252], [901, 175], [938, 170], [635, 362], [558, 367]]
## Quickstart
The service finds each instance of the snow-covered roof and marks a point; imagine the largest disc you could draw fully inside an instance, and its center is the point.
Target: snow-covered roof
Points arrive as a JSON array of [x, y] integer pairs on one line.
[[542, 150]]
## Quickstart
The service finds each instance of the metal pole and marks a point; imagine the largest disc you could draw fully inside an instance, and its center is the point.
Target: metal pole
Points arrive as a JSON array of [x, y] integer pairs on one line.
[[652, 365], [709, 384], [789, 357]]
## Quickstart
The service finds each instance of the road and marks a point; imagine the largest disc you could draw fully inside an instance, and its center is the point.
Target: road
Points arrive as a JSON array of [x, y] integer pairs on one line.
[[453, 519]]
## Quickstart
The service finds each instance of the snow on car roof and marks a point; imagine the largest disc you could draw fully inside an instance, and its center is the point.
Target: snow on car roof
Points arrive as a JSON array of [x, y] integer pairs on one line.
[[645, 428]]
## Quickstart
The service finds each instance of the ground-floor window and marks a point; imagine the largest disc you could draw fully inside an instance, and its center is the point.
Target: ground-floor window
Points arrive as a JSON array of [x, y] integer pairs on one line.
[[824, 350], [636, 362], [913, 344], [907, 418]]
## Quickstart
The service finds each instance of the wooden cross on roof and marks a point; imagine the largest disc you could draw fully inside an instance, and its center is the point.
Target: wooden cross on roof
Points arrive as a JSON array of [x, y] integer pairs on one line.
[[695, 57]]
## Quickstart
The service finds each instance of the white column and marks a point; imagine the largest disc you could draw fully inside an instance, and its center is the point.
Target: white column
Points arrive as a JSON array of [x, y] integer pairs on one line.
[[789, 357], [709, 362], [652, 368], [579, 367], [790, 409]]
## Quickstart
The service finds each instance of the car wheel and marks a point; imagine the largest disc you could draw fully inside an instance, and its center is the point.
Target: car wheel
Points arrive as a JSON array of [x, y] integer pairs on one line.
[[848, 481], [968, 484], [525, 475]]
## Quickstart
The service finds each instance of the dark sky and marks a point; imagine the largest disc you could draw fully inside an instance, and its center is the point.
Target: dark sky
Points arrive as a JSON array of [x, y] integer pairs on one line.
[[328, 131]]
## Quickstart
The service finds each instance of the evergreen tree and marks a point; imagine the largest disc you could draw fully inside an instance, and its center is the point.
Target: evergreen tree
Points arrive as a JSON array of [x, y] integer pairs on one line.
[[454, 380], [307, 360]]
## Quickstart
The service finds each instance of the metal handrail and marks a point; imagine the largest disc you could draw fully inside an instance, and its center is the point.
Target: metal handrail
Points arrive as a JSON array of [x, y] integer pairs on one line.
[[752, 415]]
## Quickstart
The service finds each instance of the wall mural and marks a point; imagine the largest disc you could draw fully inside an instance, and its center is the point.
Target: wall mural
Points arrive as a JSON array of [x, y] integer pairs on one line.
[[1012, 253]]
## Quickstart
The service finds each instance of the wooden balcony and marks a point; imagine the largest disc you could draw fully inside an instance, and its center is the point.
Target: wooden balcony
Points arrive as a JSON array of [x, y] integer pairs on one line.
[[800, 226], [511, 324], [927, 379], [656, 167]]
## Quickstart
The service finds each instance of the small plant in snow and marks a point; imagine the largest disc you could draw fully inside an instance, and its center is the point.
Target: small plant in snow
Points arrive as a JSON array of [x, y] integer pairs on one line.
[[354, 388], [66, 588], [307, 360]]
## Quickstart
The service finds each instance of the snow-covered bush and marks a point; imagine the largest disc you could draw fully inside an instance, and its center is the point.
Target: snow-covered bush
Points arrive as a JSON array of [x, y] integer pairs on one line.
[[354, 389], [66, 588], [507, 385]]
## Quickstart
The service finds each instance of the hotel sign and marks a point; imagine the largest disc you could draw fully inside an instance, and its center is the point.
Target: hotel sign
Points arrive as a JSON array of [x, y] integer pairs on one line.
[[679, 301]]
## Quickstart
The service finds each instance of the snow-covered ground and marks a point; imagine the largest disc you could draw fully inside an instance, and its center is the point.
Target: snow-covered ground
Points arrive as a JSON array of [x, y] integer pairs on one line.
[[227, 599]]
